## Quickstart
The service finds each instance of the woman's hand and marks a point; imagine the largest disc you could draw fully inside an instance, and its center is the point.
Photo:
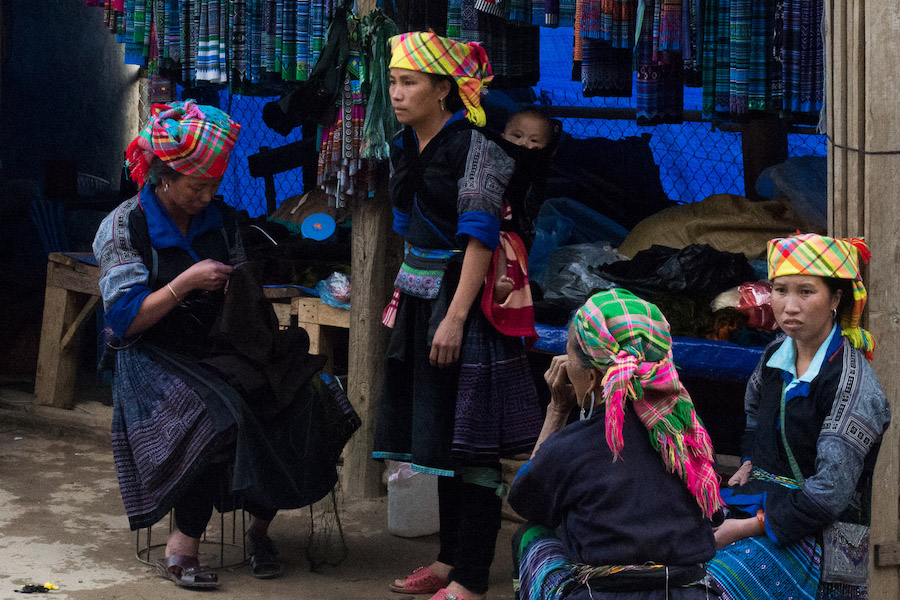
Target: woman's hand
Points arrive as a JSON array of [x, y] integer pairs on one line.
[[562, 394], [733, 530], [742, 475], [208, 275], [447, 342]]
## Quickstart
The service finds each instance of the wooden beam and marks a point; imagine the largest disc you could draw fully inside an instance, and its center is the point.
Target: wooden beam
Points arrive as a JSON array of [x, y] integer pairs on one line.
[[361, 476], [878, 36], [887, 555], [79, 320], [763, 144]]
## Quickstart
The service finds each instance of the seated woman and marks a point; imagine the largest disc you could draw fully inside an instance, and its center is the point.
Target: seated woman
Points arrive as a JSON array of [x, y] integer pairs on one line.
[[619, 504], [815, 416], [201, 412]]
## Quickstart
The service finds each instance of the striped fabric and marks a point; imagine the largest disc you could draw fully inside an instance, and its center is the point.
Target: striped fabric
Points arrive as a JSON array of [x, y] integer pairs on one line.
[[755, 567], [193, 139], [628, 339], [812, 254], [430, 53]]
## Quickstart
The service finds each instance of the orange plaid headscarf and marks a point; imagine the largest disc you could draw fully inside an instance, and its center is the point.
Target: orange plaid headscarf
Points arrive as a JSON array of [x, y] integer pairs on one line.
[[468, 64], [812, 254]]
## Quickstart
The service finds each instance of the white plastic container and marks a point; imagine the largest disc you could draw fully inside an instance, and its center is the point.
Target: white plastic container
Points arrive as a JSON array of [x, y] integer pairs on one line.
[[412, 501]]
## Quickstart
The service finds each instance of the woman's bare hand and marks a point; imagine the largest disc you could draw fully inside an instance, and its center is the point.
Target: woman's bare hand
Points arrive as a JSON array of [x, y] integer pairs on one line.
[[562, 394], [733, 530], [742, 475], [446, 343], [208, 275]]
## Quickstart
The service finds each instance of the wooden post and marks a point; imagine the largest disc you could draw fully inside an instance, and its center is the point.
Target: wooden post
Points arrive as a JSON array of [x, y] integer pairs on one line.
[[763, 144], [878, 39], [862, 58]]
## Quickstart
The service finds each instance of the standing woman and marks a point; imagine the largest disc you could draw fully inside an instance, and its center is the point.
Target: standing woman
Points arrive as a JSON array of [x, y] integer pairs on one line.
[[815, 416], [457, 394]]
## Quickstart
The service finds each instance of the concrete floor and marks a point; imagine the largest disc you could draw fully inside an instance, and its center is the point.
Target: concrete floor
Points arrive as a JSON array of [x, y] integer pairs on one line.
[[61, 520]]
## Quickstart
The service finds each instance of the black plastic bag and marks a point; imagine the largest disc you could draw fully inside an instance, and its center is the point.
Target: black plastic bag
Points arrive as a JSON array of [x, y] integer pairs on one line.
[[697, 270]]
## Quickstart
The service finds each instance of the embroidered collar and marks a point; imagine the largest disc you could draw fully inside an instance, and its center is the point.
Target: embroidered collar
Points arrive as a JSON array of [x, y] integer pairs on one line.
[[785, 359], [163, 231], [460, 114]]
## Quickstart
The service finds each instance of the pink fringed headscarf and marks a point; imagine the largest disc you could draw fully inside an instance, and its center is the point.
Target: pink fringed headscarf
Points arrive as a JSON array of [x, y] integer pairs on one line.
[[628, 338]]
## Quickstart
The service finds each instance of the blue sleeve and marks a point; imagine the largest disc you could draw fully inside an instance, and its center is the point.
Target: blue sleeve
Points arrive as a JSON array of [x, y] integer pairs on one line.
[[401, 221], [120, 315], [481, 225]]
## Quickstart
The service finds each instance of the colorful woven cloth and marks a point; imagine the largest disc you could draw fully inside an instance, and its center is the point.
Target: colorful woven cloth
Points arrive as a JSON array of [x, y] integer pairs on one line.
[[430, 53], [812, 254], [628, 338], [515, 317], [193, 139]]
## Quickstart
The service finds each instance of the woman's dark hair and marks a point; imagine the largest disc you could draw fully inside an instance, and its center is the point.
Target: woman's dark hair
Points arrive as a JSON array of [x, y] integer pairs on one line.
[[452, 102], [846, 286], [583, 360], [159, 169]]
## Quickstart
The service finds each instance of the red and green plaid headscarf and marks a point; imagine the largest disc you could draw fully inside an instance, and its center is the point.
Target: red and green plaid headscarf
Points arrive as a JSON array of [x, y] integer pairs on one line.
[[468, 64], [191, 138], [628, 339], [812, 254]]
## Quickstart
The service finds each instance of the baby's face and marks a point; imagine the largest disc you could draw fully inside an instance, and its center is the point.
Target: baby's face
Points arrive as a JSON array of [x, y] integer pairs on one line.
[[527, 130]]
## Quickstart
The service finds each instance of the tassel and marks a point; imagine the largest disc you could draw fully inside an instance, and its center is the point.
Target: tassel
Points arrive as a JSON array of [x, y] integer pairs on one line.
[[862, 247]]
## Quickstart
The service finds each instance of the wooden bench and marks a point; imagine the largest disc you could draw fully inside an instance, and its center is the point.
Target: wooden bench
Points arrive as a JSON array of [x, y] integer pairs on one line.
[[72, 295]]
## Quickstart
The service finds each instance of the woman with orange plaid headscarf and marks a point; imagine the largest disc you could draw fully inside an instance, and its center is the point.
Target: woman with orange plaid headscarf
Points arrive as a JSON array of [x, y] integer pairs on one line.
[[457, 393], [815, 417]]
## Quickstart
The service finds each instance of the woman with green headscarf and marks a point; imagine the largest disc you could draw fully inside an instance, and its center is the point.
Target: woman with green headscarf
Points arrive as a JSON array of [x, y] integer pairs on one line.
[[621, 502]]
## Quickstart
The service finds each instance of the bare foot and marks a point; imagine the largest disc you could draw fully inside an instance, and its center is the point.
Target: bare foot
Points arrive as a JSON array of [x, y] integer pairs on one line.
[[503, 287], [179, 543], [439, 569], [462, 592]]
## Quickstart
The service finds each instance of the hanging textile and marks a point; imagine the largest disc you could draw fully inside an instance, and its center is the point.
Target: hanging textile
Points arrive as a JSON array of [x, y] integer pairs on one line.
[[802, 51], [342, 171], [606, 32], [660, 75], [690, 42], [514, 50], [380, 125], [559, 13], [420, 15]]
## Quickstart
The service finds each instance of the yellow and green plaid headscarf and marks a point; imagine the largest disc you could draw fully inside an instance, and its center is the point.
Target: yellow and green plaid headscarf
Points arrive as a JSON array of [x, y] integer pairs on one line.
[[468, 64], [812, 254], [628, 339]]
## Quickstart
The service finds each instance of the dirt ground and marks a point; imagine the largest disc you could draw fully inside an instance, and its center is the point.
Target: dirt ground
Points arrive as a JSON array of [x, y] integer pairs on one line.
[[61, 520]]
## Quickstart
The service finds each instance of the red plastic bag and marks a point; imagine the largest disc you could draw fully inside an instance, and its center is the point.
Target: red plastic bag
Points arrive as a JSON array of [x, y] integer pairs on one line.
[[755, 303]]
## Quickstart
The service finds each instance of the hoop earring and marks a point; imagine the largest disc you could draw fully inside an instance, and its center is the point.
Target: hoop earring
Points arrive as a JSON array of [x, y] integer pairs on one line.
[[834, 313], [441, 104], [587, 415], [167, 187]]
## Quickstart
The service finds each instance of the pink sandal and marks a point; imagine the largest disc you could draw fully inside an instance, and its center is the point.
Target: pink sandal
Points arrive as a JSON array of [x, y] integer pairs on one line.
[[421, 581], [443, 594]]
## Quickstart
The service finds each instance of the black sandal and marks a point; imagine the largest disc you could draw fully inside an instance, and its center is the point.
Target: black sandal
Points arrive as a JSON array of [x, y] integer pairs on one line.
[[263, 561]]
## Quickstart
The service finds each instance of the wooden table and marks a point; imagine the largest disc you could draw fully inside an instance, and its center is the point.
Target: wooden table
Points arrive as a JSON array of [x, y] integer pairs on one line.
[[72, 295]]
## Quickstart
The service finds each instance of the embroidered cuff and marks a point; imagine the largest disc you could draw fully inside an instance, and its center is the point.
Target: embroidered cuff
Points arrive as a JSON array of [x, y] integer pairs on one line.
[[122, 313], [481, 225], [401, 221]]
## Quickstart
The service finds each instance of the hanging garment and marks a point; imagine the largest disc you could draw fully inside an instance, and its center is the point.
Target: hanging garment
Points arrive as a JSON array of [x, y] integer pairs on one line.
[[514, 50], [660, 77], [606, 31]]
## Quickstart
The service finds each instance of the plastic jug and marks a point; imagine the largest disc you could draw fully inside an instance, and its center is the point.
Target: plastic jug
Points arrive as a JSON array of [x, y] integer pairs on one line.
[[412, 501]]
